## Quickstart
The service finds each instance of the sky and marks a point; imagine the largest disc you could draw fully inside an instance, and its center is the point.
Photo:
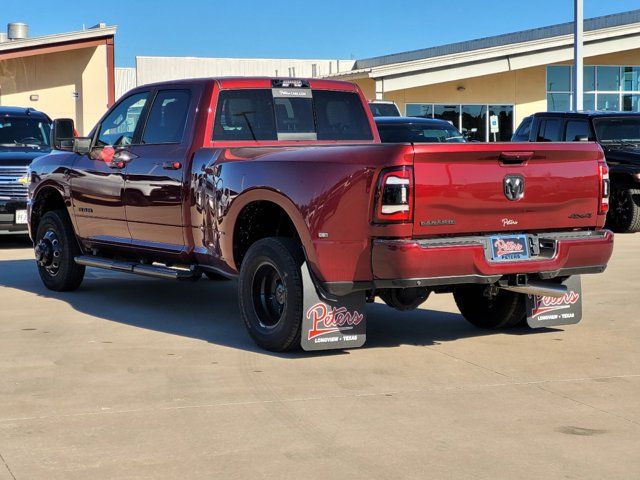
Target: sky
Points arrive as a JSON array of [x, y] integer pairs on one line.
[[294, 29]]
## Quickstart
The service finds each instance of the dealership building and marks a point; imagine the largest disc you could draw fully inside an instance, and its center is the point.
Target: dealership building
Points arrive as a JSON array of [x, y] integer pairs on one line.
[[511, 76], [64, 75]]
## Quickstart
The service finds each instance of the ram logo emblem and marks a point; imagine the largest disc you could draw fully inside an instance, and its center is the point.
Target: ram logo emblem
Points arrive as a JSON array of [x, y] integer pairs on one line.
[[514, 187]]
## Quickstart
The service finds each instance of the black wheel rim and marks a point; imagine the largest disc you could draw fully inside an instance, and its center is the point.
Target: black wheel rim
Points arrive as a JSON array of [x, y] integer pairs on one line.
[[269, 295], [621, 209], [48, 252]]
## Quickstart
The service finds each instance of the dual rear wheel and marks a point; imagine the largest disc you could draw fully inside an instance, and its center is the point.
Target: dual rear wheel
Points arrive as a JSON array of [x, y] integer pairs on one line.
[[503, 310], [270, 293]]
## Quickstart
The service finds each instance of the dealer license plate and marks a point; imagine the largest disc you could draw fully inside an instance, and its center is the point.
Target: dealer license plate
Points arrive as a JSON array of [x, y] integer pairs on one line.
[[509, 248], [21, 217]]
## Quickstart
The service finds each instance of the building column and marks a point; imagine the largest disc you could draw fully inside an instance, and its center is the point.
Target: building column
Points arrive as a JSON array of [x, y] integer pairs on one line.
[[111, 76], [379, 88]]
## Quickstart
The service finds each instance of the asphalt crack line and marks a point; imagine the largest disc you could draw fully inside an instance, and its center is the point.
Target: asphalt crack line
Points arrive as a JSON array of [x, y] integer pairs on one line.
[[317, 398], [468, 362], [7, 466], [606, 412]]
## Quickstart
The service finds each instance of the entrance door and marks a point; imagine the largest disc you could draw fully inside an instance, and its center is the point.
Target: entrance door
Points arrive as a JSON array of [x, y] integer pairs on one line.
[[155, 175], [96, 186]]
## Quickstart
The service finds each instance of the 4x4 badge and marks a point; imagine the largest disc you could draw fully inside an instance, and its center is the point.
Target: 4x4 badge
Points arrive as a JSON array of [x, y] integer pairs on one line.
[[514, 187]]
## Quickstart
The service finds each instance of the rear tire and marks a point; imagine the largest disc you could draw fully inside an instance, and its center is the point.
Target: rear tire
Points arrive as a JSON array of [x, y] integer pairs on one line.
[[56, 248], [504, 310], [624, 214], [270, 293]]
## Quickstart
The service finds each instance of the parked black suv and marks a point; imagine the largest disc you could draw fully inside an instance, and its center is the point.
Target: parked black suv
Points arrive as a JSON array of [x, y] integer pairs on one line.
[[417, 130], [619, 135], [24, 135]]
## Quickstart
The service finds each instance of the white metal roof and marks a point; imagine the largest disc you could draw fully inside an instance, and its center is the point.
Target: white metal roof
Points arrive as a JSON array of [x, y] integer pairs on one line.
[[156, 69]]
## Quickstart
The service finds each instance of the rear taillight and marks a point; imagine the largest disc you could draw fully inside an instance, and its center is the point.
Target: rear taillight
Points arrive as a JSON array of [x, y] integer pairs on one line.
[[605, 188], [394, 196]]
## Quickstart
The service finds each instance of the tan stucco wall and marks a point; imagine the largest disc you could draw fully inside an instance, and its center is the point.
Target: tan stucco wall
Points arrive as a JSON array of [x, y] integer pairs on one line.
[[368, 87], [523, 88], [54, 78]]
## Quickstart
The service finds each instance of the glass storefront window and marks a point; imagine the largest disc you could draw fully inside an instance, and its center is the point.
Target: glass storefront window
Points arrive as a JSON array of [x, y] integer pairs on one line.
[[419, 110], [631, 103], [606, 87], [558, 102], [472, 120], [631, 79], [474, 117], [608, 101], [589, 101], [558, 78], [589, 78], [608, 78], [450, 113]]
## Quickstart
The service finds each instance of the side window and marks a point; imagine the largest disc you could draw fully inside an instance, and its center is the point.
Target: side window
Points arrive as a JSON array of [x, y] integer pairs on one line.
[[245, 115], [576, 129], [549, 130], [118, 127], [341, 116], [167, 117]]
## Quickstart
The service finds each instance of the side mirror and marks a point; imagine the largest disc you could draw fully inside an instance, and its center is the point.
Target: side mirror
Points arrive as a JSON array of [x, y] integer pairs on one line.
[[82, 145], [63, 129]]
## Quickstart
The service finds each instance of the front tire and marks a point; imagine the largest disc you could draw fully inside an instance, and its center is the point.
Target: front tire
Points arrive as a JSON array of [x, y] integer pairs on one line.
[[56, 248], [624, 214], [503, 310], [270, 293]]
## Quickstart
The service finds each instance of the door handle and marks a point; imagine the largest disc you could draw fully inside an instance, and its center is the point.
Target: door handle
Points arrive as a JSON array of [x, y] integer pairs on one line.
[[172, 165], [512, 158]]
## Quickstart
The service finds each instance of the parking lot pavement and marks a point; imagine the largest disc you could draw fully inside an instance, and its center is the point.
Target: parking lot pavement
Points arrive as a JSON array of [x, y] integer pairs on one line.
[[136, 378]]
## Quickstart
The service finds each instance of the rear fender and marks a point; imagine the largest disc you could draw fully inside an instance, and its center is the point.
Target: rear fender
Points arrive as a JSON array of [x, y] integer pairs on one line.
[[266, 194]]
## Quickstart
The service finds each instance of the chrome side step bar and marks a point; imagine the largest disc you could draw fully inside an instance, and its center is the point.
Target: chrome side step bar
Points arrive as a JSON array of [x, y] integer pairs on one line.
[[545, 289], [137, 268]]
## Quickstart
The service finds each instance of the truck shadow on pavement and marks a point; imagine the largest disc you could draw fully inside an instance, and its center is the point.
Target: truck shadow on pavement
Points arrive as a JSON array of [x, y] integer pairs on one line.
[[207, 310], [13, 242]]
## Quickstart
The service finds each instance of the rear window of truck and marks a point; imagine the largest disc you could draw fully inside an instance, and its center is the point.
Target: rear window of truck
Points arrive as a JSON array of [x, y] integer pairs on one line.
[[290, 114]]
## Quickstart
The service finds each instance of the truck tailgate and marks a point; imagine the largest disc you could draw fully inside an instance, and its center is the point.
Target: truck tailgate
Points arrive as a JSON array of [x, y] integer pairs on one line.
[[472, 188]]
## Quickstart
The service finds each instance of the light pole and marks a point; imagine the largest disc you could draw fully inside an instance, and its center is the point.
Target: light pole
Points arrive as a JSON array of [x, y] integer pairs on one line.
[[577, 55]]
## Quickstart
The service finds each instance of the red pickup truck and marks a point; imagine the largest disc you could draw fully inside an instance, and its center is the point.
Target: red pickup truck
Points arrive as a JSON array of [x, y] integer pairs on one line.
[[285, 185]]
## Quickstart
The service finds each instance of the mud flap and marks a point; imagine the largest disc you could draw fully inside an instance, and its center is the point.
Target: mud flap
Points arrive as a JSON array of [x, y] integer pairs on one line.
[[329, 321], [553, 312]]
